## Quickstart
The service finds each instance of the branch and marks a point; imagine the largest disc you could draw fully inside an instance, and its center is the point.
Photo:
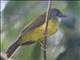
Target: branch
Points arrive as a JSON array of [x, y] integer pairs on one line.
[[46, 29]]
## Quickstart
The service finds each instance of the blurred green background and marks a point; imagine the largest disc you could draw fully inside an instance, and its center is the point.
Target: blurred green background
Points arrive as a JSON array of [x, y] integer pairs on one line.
[[64, 45]]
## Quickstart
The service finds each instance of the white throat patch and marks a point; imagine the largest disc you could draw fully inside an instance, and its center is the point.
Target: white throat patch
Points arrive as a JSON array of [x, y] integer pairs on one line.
[[59, 19]]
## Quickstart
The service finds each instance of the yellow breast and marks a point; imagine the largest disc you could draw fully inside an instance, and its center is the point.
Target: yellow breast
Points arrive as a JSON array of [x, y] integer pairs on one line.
[[38, 33]]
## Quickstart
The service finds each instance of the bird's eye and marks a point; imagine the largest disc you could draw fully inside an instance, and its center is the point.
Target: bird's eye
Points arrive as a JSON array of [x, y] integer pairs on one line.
[[59, 15]]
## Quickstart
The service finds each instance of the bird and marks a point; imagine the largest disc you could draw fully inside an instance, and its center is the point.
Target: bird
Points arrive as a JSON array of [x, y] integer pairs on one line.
[[33, 32]]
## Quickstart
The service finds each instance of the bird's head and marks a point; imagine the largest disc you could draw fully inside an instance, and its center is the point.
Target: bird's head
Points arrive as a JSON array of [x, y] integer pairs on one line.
[[57, 13]]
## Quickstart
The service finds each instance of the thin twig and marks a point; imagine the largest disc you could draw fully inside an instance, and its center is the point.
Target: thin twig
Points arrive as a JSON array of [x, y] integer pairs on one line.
[[46, 29]]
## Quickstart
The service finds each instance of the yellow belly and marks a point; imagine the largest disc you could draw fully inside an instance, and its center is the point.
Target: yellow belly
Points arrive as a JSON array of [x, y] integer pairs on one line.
[[38, 33]]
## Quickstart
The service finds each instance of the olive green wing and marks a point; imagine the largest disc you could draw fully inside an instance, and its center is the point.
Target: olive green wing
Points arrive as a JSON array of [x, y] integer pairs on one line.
[[34, 24]]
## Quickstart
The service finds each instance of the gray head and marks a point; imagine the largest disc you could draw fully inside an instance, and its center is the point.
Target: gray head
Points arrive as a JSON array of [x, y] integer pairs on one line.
[[56, 12]]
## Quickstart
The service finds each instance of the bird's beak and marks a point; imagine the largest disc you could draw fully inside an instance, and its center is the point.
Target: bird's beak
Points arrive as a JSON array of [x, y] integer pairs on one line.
[[63, 16]]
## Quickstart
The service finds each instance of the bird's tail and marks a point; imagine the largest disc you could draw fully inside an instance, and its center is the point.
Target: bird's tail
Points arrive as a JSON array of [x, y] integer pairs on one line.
[[12, 49]]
